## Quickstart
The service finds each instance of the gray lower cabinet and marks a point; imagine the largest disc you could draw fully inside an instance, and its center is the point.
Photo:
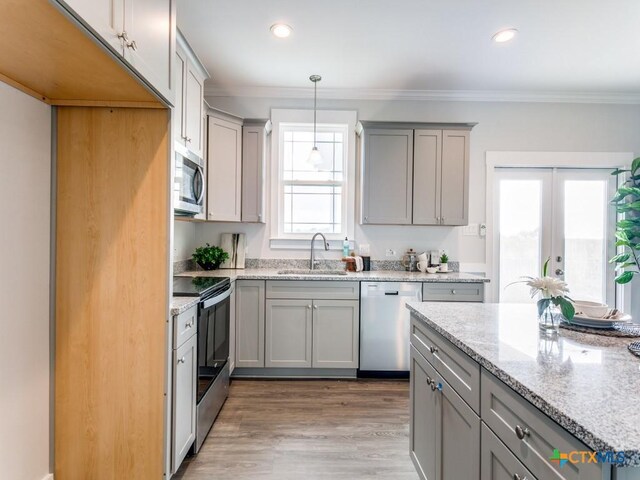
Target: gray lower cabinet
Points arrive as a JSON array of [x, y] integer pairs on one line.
[[336, 333], [442, 426], [250, 320], [185, 366], [497, 462], [312, 333], [288, 332]]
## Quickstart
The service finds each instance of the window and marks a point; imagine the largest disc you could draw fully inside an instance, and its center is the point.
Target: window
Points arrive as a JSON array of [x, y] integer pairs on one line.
[[308, 199], [312, 197]]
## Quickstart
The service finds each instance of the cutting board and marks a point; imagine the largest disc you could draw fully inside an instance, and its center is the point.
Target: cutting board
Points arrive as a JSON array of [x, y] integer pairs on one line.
[[235, 245]]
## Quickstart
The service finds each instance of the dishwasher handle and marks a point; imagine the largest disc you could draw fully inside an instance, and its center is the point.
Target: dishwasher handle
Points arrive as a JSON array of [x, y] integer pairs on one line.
[[391, 293]]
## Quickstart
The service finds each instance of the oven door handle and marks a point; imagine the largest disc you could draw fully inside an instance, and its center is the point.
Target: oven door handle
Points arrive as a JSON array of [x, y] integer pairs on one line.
[[215, 300]]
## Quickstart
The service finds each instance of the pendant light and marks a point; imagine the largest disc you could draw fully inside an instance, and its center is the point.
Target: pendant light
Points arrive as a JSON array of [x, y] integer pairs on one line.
[[315, 159]]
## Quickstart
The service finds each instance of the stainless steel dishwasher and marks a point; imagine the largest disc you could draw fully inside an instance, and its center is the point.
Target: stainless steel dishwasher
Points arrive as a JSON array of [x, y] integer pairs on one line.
[[384, 325]]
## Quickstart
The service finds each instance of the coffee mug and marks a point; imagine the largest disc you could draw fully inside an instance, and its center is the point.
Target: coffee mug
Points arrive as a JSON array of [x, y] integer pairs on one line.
[[423, 258], [422, 266]]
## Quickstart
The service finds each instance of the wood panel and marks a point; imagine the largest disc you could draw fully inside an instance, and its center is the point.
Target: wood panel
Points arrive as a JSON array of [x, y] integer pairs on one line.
[[308, 430], [53, 59], [111, 292]]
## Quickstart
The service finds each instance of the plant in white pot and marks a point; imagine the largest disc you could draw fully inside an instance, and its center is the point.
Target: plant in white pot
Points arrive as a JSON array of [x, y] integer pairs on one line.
[[444, 262]]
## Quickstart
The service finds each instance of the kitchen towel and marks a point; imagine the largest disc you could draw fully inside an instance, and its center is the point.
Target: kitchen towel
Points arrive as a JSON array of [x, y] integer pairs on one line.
[[359, 263], [235, 245]]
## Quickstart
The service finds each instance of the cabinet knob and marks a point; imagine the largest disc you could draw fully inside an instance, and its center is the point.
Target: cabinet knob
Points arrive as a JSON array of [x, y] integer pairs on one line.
[[442, 220], [309, 307], [437, 219], [433, 349], [522, 432], [188, 139], [315, 307], [132, 45], [123, 36], [181, 360], [518, 477], [453, 292]]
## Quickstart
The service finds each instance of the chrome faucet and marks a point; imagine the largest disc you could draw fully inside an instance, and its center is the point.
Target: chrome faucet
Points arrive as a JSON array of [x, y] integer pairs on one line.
[[314, 262]]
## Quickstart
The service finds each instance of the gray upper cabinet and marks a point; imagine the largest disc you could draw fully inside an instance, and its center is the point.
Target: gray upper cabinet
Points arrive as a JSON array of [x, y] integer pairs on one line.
[[190, 75], [224, 168], [427, 170], [141, 31], [455, 177], [255, 134], [250, 318], [414, 175], [387, 172]]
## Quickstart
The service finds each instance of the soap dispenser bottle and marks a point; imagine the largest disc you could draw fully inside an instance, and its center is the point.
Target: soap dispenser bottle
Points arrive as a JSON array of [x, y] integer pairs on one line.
[[345, 247]]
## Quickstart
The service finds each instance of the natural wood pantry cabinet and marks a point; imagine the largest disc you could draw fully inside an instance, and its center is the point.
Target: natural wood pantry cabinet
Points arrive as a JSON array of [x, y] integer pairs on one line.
[[414, 174]]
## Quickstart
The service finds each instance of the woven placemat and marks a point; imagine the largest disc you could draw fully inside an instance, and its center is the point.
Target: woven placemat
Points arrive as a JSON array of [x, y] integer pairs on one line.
[[634, 347], [627, 330]]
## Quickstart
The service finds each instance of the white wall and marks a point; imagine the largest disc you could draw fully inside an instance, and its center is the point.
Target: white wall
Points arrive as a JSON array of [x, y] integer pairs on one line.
[[184, 240], [501, 126], [25, 176]]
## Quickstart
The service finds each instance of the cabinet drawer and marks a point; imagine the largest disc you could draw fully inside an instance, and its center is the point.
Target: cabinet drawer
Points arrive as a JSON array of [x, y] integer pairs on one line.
[[453, 292], [459, 370], [506, 412], [184, 326], [497, 462], [313, 289]]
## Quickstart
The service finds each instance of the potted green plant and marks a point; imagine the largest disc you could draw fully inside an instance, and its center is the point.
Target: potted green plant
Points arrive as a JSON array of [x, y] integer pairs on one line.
[[444, 262], [210, 258], [627, 203]]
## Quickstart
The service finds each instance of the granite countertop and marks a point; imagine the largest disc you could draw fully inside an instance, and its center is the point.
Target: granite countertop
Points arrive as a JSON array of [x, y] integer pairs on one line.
[[373, 276], [588, 384], [180, 304]]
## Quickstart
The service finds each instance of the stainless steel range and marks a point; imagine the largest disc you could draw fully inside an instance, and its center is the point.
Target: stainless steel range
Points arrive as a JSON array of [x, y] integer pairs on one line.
[[213, 346]]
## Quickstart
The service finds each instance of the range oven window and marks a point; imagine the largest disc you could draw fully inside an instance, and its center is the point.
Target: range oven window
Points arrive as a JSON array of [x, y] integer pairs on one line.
[[213, 343]]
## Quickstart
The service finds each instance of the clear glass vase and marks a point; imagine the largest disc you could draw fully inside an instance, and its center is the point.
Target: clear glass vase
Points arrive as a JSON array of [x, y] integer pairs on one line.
[[549, 321]]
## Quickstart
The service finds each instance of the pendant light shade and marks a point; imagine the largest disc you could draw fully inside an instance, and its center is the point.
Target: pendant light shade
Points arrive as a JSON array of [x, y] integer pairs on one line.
[[315, 159]]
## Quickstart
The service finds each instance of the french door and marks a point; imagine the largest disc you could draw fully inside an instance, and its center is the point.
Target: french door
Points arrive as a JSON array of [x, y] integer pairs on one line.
[[559, 214]]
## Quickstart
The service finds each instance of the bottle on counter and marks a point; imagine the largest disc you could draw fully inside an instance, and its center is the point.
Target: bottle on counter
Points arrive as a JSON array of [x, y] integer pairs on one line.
[[345, 247]]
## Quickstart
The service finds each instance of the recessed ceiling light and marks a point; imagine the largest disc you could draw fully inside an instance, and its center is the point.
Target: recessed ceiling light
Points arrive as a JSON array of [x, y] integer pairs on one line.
[[504, 35], [281, 30]]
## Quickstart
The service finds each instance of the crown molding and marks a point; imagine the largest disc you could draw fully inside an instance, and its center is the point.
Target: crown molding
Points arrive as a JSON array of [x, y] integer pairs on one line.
[[423, 95]]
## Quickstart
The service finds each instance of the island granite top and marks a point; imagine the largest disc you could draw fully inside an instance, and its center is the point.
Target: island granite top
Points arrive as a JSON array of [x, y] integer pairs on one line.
[[588, 384]]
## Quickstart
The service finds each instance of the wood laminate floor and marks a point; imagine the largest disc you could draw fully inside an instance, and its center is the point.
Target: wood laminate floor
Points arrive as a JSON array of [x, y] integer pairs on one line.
[[308, 429]]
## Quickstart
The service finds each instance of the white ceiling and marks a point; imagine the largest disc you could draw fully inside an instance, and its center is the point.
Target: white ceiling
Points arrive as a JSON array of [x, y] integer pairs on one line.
[[563, 47]]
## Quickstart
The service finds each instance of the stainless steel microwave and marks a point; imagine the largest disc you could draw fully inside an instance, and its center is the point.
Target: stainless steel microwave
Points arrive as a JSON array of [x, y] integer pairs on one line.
[[188, 183]]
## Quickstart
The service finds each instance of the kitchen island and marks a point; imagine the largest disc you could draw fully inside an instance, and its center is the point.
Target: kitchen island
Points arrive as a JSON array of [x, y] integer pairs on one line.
[[524, 399]]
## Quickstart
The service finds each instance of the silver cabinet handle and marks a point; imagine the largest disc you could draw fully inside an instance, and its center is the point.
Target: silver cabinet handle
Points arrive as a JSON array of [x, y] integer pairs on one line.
[[187, 139], [453, 292], [437, 219], [181, 360], [309, 307], [315, 307], [522, 432], [433, 349], [190, 323], [124, 37], [518, 477], [559, 271], [366, 219], [442, 220], [132, 45]]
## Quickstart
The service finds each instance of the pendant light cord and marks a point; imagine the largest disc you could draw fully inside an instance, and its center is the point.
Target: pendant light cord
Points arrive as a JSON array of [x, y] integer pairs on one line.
[[315, 110]]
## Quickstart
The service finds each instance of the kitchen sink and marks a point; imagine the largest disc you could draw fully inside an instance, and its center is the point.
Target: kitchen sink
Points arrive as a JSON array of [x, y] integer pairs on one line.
[[304, 271]]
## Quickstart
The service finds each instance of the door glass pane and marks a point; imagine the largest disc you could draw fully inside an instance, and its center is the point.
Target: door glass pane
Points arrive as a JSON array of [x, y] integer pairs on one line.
[[585, 262], [520, 236]]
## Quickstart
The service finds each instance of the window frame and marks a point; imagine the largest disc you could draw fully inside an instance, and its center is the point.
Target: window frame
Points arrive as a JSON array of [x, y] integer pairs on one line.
[[284, 119]]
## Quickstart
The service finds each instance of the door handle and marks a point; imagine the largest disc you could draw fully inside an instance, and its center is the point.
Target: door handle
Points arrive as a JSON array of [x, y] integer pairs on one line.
[[391, 293]]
